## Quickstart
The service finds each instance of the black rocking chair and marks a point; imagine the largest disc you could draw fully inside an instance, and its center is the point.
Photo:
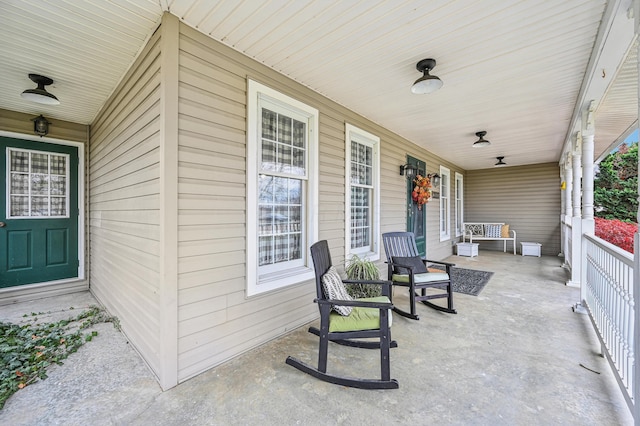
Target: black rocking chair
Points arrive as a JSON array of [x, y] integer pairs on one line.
[[407, 269], [369, 318]]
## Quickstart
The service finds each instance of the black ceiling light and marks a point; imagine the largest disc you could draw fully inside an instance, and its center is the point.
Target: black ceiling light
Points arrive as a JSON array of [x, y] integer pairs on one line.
[[481, 141], [39, 94], [500, 163], [427, 83]]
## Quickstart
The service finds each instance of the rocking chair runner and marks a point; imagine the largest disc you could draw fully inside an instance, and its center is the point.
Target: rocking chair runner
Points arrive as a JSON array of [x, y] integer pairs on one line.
[[368, 318], [407, 269]]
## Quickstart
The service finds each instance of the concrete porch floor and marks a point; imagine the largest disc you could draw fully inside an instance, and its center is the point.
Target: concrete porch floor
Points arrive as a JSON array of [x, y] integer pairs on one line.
[[511, 356]]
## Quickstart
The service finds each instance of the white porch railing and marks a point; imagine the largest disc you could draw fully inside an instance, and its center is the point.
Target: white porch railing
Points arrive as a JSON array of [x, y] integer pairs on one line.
[[609, 300], [568, 242]]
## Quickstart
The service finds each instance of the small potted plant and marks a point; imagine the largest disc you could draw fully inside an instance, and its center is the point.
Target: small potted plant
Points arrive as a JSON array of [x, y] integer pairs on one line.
[[361, 268]]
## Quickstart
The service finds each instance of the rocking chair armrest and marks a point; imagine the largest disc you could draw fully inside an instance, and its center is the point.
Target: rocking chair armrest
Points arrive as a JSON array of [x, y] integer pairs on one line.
[[440, 262], [410, 268], [369, 282], [392, 263], [358, 303]]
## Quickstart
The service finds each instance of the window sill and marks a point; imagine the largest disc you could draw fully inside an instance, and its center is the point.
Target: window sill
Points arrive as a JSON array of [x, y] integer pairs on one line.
[[279, 280]]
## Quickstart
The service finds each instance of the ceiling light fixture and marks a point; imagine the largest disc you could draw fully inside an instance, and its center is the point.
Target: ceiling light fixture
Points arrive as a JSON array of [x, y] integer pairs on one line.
[[500, 163], [427, 83], [39, 94], [481, 141]]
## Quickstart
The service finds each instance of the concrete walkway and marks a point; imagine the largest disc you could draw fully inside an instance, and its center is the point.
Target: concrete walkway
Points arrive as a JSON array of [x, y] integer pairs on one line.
[[510, 357]]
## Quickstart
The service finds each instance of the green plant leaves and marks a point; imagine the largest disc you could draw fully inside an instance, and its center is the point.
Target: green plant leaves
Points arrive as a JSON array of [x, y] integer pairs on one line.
[[27, 350], [616, 185], [358, 268]]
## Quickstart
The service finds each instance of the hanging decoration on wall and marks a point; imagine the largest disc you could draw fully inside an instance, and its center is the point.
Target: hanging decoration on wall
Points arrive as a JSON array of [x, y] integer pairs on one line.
[[421, 193]]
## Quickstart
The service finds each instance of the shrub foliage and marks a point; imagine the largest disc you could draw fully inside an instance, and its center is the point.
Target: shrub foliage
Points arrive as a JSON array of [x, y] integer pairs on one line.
[[616, 232], [616, 185]]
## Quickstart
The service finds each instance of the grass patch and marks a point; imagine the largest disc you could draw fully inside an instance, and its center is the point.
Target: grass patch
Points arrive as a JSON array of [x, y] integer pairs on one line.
[[27, 350]]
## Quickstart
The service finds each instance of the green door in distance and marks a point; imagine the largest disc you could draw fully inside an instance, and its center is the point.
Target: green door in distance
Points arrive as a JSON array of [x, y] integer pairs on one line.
[[38, 212], [416, 218]]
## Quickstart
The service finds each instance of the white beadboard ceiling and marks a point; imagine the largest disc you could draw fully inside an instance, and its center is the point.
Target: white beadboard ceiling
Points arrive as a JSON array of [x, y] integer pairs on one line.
[[519, 69]]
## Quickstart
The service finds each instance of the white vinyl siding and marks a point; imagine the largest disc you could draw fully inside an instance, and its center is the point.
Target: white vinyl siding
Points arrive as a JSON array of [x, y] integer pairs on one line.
[[445, 204], [525, 197], [459, 200], [215, 204], [124, 204], [216, 320], [362, 198]]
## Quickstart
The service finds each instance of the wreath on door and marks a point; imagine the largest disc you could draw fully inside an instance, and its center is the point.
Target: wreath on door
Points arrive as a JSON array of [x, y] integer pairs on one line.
[[421, 193]]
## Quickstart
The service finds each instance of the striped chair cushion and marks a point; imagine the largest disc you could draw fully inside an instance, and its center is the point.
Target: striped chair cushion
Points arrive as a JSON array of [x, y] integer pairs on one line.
[[334, 289]]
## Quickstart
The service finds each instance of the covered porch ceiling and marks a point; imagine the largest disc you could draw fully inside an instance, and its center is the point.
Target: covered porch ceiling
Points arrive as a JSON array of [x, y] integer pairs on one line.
[[522, 70]]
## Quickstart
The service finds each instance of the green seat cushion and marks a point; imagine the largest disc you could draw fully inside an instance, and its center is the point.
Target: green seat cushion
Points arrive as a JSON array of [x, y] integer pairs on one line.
[[421, 278], [359, 318]]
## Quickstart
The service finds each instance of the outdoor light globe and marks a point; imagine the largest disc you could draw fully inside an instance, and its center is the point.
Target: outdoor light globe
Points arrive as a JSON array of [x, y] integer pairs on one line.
[[36, 95], [426, 84]]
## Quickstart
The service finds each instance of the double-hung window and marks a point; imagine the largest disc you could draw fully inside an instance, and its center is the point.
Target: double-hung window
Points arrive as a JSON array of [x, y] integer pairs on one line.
[[362, 193], [445, 205], [281, 189], [459, 190]]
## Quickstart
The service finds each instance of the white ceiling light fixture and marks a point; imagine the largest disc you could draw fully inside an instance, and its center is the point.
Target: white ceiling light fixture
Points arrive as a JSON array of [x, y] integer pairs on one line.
[[40, 94], [500, 163], [427, 83], [481, 142]]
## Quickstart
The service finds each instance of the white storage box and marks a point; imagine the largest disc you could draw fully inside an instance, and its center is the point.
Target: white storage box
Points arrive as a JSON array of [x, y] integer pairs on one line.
[[467, 249], [531, 249]]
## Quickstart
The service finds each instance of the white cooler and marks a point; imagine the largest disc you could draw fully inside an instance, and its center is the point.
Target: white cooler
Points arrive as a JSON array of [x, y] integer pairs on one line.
[[467, 249], [531, 249]]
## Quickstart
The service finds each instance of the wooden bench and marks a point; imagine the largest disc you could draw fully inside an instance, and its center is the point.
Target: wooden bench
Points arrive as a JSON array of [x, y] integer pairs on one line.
[[489, 231]]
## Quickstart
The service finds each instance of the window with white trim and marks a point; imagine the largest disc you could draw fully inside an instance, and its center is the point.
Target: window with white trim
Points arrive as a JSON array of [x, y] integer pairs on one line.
[[37, 183], [362, 193], [445, 205], [282, 191], [459, 190]]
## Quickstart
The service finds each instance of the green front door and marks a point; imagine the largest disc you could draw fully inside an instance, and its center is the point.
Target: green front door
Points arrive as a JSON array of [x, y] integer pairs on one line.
[[416, 218], [38, 212]]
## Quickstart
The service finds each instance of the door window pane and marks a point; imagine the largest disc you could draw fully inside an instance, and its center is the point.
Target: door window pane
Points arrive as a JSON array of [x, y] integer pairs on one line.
[[38, 184]]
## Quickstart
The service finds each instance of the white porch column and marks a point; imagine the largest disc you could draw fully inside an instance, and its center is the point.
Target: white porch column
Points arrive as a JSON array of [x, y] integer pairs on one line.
[[588, 136], [568, 208], [576, 220], [563, 187], [568, 205], [563, 202], [588, 223], [636, 257]]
